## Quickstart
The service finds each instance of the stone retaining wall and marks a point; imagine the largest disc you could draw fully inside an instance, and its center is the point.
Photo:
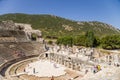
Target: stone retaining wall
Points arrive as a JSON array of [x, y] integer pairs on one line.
[[4, 66], [19, 36]]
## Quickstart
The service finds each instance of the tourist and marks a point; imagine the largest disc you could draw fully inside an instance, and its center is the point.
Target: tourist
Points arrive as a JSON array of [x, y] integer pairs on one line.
[[118, 65], [52, 78], [24, 70], [95, 69], [34, 70], [98, 67], [86, 71]]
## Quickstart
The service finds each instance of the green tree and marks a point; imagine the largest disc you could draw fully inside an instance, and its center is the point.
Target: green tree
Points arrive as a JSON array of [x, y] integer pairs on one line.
[[67, 40], [80, 40], [90, 39], [50, 42], [33, 36], [111, 42]]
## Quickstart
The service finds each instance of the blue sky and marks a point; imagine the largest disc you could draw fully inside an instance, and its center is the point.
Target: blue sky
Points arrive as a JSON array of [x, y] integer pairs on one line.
[[107, 11]]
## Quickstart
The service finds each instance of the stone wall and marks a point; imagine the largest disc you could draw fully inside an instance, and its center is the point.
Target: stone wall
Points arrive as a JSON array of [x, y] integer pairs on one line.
[[29, 31], [8, 39], [22, 32], [7, 25], [9, 35], [4, 66]]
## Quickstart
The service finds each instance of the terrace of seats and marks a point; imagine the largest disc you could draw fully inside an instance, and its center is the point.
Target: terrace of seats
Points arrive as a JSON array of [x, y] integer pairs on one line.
[[12, 50]]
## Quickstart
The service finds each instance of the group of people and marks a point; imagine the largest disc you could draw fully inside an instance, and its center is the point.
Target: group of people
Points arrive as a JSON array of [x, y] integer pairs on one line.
[[96, 68]]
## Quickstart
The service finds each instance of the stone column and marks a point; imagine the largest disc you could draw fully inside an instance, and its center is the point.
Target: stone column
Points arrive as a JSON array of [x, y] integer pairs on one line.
[[106, 58], [62, 62], [70, 65], [73, 66], [52, 58], [55, 58], [66, 63], [79, 68], [82, 66], [59, 60]]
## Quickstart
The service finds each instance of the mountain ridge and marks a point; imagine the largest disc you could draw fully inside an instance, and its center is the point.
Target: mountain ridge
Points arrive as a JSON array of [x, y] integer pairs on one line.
[[52, 25]]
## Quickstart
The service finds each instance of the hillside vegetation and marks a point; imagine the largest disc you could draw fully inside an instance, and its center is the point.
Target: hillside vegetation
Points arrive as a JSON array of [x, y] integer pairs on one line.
[[55, 26]]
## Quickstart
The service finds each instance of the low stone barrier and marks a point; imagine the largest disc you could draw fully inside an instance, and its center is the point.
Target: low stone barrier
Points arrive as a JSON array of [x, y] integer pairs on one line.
[[4, 66]]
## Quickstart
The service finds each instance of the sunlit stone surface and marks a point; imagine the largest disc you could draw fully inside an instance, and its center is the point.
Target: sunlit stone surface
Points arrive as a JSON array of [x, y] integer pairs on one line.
[[45, 68]]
